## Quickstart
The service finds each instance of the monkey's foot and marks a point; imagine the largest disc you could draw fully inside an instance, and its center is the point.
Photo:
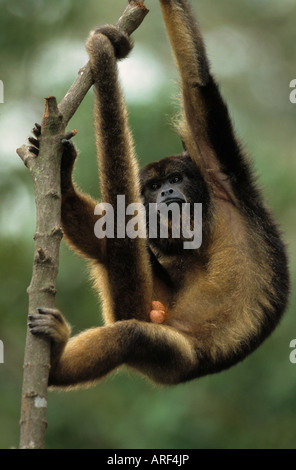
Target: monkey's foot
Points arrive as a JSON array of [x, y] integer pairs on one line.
[[50, 323], [158, 312]]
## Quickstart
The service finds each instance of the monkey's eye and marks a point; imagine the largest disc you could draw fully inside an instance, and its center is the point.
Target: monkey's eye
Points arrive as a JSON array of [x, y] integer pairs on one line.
[[154, 186], [176, 179]]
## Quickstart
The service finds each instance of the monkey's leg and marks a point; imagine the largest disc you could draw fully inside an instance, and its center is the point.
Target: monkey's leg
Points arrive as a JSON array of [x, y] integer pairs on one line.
[[160, 352]]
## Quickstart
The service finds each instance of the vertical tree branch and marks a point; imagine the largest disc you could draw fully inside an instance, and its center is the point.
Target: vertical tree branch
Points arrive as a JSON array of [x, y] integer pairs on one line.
[[45, 172]]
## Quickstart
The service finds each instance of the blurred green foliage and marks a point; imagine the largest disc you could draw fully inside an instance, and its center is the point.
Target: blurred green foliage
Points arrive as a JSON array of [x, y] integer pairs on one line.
[[251, 47]]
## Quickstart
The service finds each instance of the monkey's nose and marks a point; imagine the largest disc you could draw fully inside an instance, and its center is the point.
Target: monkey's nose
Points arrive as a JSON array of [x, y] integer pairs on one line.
[[166, 192]]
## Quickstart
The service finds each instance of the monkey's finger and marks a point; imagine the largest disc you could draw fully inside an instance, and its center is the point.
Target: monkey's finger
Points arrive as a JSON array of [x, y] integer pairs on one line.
[[40, 324], [37, 130], [44, 322], [67, 144], [50, 312], [34, 142], [33, 150], [42, 329], [71, 134]]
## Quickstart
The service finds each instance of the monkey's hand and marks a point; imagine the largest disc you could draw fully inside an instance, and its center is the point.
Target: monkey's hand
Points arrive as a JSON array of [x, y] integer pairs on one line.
[[34, 141], [158, 312], [68, 157], [51, 324], [121, 41]]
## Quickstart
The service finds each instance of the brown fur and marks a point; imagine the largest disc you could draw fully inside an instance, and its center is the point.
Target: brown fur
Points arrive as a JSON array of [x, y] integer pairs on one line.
[[214, 305]]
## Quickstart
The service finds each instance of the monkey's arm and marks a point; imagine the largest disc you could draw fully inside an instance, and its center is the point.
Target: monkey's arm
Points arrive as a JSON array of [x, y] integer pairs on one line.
[[206, 127], [78, 219]]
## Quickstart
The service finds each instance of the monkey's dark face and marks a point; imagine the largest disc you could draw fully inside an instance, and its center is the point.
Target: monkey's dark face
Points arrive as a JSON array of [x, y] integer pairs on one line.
[[177, 180]]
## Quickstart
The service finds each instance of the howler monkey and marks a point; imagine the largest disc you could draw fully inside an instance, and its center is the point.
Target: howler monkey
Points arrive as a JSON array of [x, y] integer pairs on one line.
[[171, 313]]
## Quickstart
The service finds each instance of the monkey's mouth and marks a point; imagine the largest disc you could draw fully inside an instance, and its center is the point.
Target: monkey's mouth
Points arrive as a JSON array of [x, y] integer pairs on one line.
[[171, 200]]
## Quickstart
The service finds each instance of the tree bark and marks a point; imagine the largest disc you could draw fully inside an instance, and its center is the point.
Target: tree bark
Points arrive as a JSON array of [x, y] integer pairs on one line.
[[45, 172]]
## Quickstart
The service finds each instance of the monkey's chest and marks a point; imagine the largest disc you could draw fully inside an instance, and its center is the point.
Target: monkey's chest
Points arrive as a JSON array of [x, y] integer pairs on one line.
[[167, 289]]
